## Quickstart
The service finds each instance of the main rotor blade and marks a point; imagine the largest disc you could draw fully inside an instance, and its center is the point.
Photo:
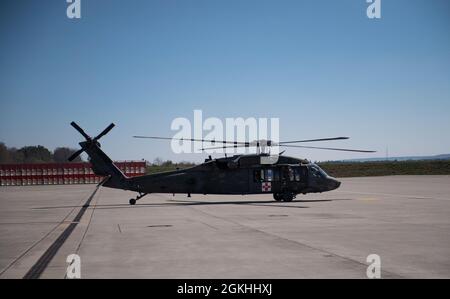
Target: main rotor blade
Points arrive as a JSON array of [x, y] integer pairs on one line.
[[330, 148], [105, 131], [226, 146], [313, 140], [80, 130], [191, 139], [74, 155]]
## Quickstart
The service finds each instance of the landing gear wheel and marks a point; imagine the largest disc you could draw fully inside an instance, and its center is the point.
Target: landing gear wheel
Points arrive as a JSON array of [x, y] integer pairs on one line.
[[277, 196], [134, 200], [288, 197]]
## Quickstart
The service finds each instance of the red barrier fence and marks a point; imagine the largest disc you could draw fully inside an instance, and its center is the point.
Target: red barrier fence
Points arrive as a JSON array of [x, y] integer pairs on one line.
[[60, 173]]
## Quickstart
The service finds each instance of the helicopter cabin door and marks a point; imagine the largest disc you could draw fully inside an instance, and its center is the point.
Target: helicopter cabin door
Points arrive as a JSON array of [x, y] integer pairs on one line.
[[265, 180], [286, 177], [293, 178]]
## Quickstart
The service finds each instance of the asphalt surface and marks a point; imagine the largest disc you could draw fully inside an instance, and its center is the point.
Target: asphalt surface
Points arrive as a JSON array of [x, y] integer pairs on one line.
[[403, 219]]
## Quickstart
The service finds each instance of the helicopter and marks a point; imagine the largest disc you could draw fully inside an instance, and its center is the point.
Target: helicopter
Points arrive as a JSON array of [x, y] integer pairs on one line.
[[283, 176]]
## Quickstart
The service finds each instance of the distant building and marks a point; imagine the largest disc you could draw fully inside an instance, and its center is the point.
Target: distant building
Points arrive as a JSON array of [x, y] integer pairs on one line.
[[60, 173]]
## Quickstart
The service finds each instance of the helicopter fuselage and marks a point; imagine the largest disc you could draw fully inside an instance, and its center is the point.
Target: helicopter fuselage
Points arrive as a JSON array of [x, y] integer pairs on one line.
[[239, 175]]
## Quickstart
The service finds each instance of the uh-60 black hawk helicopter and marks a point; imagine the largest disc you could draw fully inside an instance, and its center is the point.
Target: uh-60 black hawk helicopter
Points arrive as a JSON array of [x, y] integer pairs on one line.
[[260, 173]]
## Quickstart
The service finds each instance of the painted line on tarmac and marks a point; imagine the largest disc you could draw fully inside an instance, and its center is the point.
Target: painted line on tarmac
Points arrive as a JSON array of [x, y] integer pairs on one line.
[[38, 268], [39, 241]]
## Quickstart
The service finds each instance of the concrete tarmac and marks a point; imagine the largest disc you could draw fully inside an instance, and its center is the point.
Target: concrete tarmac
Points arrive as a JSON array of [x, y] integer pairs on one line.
[[403, 219]]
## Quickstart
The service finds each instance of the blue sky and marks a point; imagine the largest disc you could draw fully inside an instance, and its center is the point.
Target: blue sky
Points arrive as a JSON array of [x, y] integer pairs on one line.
[[322, 67]]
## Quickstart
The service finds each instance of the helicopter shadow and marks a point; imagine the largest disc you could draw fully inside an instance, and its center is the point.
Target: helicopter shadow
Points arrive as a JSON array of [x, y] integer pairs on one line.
[[174, 203]]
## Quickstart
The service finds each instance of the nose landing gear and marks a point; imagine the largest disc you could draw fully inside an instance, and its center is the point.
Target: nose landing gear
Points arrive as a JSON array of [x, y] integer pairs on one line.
[[133, 200]]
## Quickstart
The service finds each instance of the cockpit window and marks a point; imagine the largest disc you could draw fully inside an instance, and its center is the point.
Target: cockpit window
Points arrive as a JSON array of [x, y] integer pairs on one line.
[[318, 172], [323, 172]]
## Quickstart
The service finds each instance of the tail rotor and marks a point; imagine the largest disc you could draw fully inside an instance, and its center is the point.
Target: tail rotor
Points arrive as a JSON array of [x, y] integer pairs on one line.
[[89, 141]]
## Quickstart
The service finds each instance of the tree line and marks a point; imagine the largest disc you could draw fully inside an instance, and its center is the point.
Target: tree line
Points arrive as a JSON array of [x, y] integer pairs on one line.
[[35, 154]]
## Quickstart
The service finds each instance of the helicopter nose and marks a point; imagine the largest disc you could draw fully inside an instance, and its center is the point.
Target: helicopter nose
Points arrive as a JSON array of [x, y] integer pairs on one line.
[[334, 184]]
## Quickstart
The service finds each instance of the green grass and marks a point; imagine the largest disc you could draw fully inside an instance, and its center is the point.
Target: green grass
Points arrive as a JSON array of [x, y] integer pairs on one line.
[[356, 169]]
